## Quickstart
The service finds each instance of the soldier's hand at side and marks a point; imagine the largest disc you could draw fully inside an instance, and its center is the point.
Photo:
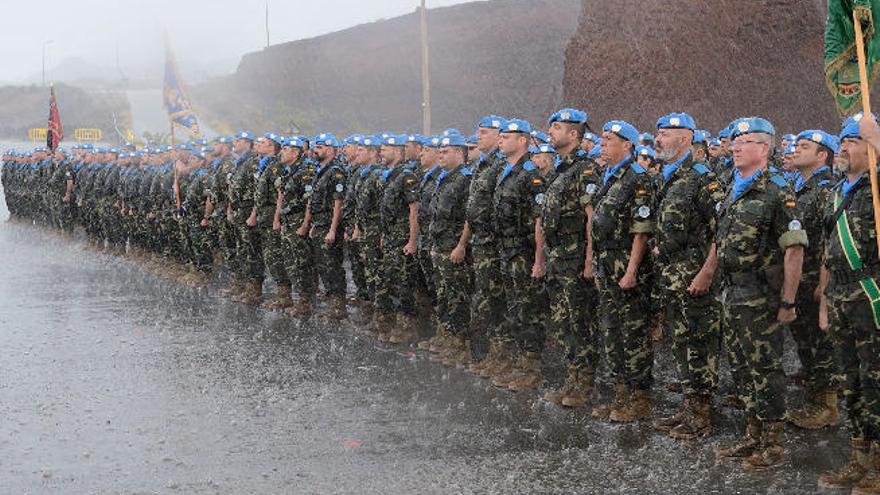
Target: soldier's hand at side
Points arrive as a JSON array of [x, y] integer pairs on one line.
[[786, 315], [588, 270], [410, 248], [356, 235], [824, 324], [700, 284], [204, 222], [628, 282], [276, 225], [302, 231], [66, 198], [457, 255], [330, 238], [817, 294], [539, 269]]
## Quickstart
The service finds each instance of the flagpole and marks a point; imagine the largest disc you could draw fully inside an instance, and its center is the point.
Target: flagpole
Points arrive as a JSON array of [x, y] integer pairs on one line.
[[866, 108]]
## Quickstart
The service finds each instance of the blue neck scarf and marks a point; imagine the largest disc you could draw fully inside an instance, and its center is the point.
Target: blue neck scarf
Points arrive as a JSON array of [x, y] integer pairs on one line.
[[613, 170], [800, 181], [847, 185], [670, 169], [741, 184]]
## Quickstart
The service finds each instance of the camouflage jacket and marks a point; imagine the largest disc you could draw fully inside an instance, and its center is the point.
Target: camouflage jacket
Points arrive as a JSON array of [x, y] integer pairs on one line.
[[427, 188], [296, 189], [755, 229], [328, 186], [623, 208], [400, 191], [812, 198], [369, 196], [685, 206], [447, 217], [517, 203], [265, 194], [859, 210], [241, 186], [563, 216], [480, 208]]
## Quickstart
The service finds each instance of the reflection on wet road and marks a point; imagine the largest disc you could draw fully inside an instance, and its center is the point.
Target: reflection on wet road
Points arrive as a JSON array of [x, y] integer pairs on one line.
[[115, 381]]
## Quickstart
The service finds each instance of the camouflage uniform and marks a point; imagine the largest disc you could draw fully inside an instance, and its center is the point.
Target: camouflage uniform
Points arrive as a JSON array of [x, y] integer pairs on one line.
[[517, 200], [622, 210], [328, 186], [367, 217], [223, 170], [563, 218], [265, 201], [487, 307], [396, 279], [428, 274], [754, 230], [814, 346], [248, 246], [199, 241], [853, 313], [447, 218], [296, 186], [685, 207], [349, 214]]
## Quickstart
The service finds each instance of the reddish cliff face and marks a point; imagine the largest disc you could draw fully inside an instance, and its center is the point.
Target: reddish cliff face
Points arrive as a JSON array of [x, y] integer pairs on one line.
[[715, 59], [504, 57]]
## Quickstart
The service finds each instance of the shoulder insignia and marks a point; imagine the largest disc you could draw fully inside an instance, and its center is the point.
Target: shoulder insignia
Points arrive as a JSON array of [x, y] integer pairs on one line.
[[410, 181], [536, 182], [641, 192], [779, 181], [790, 203], [701, 169], [712, 185], [529, 166], [467, 172], [637, 168], [339, 176], [588, 171]]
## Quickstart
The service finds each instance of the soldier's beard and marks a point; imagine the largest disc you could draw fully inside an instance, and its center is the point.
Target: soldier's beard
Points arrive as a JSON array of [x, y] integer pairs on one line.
[[667, 154]]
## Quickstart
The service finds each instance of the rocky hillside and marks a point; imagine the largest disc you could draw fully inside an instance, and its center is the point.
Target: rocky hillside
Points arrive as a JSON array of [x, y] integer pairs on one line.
[[716, 59], [27, 107], [500, 56]]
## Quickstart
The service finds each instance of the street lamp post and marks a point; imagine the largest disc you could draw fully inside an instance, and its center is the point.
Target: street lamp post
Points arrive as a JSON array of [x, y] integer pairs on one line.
[[426, 84], [45, 44]]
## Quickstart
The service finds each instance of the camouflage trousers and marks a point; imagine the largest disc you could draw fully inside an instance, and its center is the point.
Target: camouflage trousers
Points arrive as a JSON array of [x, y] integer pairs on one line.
[[572, 308], [814, 347], [249, 253], [199, 244], [299, 262], [453, 286], [328, 261], [625, 329], [526, 300], [857, 343], [749, 312], [488, 316], [371, 260], [273, 256], [225, 233], [695, 325], [358, 273], [396, 281], [428, 274]]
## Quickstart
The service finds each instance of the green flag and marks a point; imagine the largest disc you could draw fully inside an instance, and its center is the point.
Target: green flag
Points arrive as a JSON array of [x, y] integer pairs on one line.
[[841, 64]]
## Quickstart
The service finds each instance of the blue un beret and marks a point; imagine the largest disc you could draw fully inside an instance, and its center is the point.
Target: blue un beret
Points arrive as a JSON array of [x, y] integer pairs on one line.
[[433, 141], [541, 136], [545, 148], [326, 139], [820, 137], [454, 140], [517, 125], [751, 125], [492, 122], [645, 151], [676, 121], [244, 135], [568, 115], [623, 129]]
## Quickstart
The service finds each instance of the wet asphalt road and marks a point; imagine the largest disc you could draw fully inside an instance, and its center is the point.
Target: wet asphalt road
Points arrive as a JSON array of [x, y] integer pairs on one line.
[[113, 380]]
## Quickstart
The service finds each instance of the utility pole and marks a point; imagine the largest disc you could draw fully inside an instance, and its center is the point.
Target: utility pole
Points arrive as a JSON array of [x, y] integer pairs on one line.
[[45, 44], [267, 23], [426, 83]]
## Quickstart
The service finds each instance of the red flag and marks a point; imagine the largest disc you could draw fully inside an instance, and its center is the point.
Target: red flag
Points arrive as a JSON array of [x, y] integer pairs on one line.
[[54, 131]]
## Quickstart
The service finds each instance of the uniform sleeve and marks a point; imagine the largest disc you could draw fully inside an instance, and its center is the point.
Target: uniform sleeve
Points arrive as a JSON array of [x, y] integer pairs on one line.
[[411, 188], [589, 181], [787, 223], [337, 184], [643, 214], [535, 190], [708, 197]]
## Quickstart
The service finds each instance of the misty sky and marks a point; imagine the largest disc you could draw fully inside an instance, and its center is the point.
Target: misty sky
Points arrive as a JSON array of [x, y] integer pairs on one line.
[[209, 33]]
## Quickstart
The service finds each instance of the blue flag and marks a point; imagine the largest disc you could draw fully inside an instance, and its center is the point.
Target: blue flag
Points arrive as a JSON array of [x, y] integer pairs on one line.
[[177, 102]]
